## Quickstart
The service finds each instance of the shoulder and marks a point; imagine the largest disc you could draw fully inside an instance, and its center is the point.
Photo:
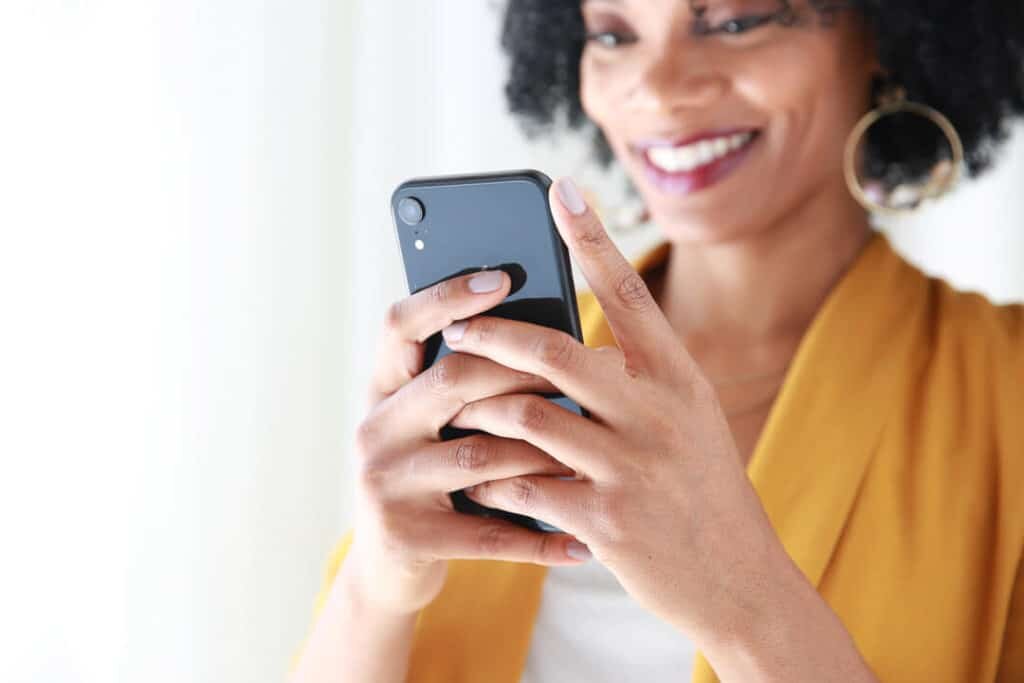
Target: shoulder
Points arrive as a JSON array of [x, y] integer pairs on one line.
[[967, 326], [975, 369]]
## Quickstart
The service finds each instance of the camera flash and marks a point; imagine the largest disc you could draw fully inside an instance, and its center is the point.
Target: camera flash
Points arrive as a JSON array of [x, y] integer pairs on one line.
[[419, 245]]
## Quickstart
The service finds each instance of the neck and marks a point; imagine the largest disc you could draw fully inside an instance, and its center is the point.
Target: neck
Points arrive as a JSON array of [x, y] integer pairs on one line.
[[742, 306]]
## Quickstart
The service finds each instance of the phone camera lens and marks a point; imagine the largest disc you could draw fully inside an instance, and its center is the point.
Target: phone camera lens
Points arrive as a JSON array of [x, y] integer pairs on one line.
[[410, 210]]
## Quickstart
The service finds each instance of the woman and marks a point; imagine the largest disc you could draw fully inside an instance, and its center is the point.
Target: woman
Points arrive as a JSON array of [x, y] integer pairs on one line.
[[805, 460]]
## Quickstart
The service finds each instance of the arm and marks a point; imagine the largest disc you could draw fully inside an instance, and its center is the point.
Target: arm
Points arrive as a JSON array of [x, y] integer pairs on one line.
[[352, 639]]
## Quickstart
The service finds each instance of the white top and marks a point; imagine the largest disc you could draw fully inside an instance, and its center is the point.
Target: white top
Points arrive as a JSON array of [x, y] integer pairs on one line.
[[589, 629]]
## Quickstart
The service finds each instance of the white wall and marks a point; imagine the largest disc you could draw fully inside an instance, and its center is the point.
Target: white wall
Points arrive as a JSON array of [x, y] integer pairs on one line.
[[975, 237], [172, 181], [195, 253]]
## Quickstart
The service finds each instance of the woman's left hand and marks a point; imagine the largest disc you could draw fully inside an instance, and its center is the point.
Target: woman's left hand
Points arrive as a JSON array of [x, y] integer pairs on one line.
[[662, 498]]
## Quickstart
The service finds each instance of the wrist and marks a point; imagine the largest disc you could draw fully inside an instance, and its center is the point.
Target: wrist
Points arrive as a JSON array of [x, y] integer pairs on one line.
[[385, 591], [785, 632], [362, 602]]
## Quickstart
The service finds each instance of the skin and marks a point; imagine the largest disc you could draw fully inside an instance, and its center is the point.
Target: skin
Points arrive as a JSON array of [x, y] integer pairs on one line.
[[741, 285]]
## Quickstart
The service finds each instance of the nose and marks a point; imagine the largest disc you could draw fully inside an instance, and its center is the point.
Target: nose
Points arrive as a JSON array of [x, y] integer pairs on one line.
[[676, 77]]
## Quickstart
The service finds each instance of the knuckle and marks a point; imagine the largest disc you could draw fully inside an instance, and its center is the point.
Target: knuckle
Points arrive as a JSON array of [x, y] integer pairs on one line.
[[523, 492], [394, 317], [443, 375], [493, 538], [472, 454], [606, 520], [631, 291], [697, 389], [531, 413], [630, 367], [484, 329], [544, 549], [373, 473], [367, 438], [591, 238], [663, 424], [556, 351], [441, 293]]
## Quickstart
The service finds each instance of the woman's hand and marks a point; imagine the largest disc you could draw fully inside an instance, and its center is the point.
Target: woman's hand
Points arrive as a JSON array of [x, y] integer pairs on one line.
[[664, 500], [405, 525]]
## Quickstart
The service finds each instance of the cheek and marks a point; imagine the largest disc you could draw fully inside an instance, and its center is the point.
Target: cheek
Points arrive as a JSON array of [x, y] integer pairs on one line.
[[809, 94], [604, 90], [594, 92]]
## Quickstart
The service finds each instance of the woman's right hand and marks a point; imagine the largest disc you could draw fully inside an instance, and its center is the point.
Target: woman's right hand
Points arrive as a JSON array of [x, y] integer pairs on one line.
[[405, 525]]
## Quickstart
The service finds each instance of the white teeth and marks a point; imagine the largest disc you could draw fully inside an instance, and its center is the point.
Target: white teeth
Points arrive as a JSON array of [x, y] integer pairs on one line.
[[707, 151], [689, 157]]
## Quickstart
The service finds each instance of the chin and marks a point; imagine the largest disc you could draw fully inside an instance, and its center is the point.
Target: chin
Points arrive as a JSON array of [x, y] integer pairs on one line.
[[685, 231], [701, 225]]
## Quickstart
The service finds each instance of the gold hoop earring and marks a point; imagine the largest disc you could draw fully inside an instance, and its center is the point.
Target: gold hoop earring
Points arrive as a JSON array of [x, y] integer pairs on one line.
[[903, 199]]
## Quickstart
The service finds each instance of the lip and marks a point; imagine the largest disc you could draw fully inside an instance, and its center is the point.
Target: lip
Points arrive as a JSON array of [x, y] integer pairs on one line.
[[688, 182]]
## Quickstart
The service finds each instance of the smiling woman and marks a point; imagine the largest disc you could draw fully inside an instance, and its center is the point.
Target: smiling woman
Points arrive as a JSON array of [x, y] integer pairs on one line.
[[803, 458]]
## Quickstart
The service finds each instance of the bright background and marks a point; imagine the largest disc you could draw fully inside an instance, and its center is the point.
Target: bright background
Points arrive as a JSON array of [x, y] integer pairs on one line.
[[195, 254]]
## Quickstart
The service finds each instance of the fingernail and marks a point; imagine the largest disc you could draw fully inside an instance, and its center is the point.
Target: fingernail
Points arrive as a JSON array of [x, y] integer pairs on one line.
[[577, 551], [571, 198], [487, 281], [454, 332]]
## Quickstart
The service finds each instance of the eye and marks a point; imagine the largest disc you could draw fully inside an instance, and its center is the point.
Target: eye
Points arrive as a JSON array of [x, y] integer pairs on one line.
[[609, 39], [733, 17], [742, 24], [735, 26]]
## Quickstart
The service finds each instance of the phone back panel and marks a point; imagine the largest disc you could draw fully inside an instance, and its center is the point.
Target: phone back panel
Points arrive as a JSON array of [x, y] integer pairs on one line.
[[500, 221]]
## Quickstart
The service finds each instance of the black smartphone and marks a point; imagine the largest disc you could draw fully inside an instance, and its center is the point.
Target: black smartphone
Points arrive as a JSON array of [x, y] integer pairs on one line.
[[456, 225]]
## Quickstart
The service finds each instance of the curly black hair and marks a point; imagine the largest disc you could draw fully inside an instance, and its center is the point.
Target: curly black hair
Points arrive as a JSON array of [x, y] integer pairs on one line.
[[962, 57]]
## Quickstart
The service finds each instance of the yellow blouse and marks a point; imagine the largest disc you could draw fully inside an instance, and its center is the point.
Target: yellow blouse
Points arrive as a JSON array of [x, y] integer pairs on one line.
[[892, 469]]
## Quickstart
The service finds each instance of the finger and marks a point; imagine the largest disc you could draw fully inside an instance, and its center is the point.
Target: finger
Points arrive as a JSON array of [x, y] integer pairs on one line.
[[452, 465], [420, 408], [412, 320], [566, 436], [468, 537], [592, 378], [640, 328], [560, 502]]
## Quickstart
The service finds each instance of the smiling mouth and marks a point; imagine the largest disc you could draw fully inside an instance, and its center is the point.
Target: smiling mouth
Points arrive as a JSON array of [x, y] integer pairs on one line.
[[698, 164]]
